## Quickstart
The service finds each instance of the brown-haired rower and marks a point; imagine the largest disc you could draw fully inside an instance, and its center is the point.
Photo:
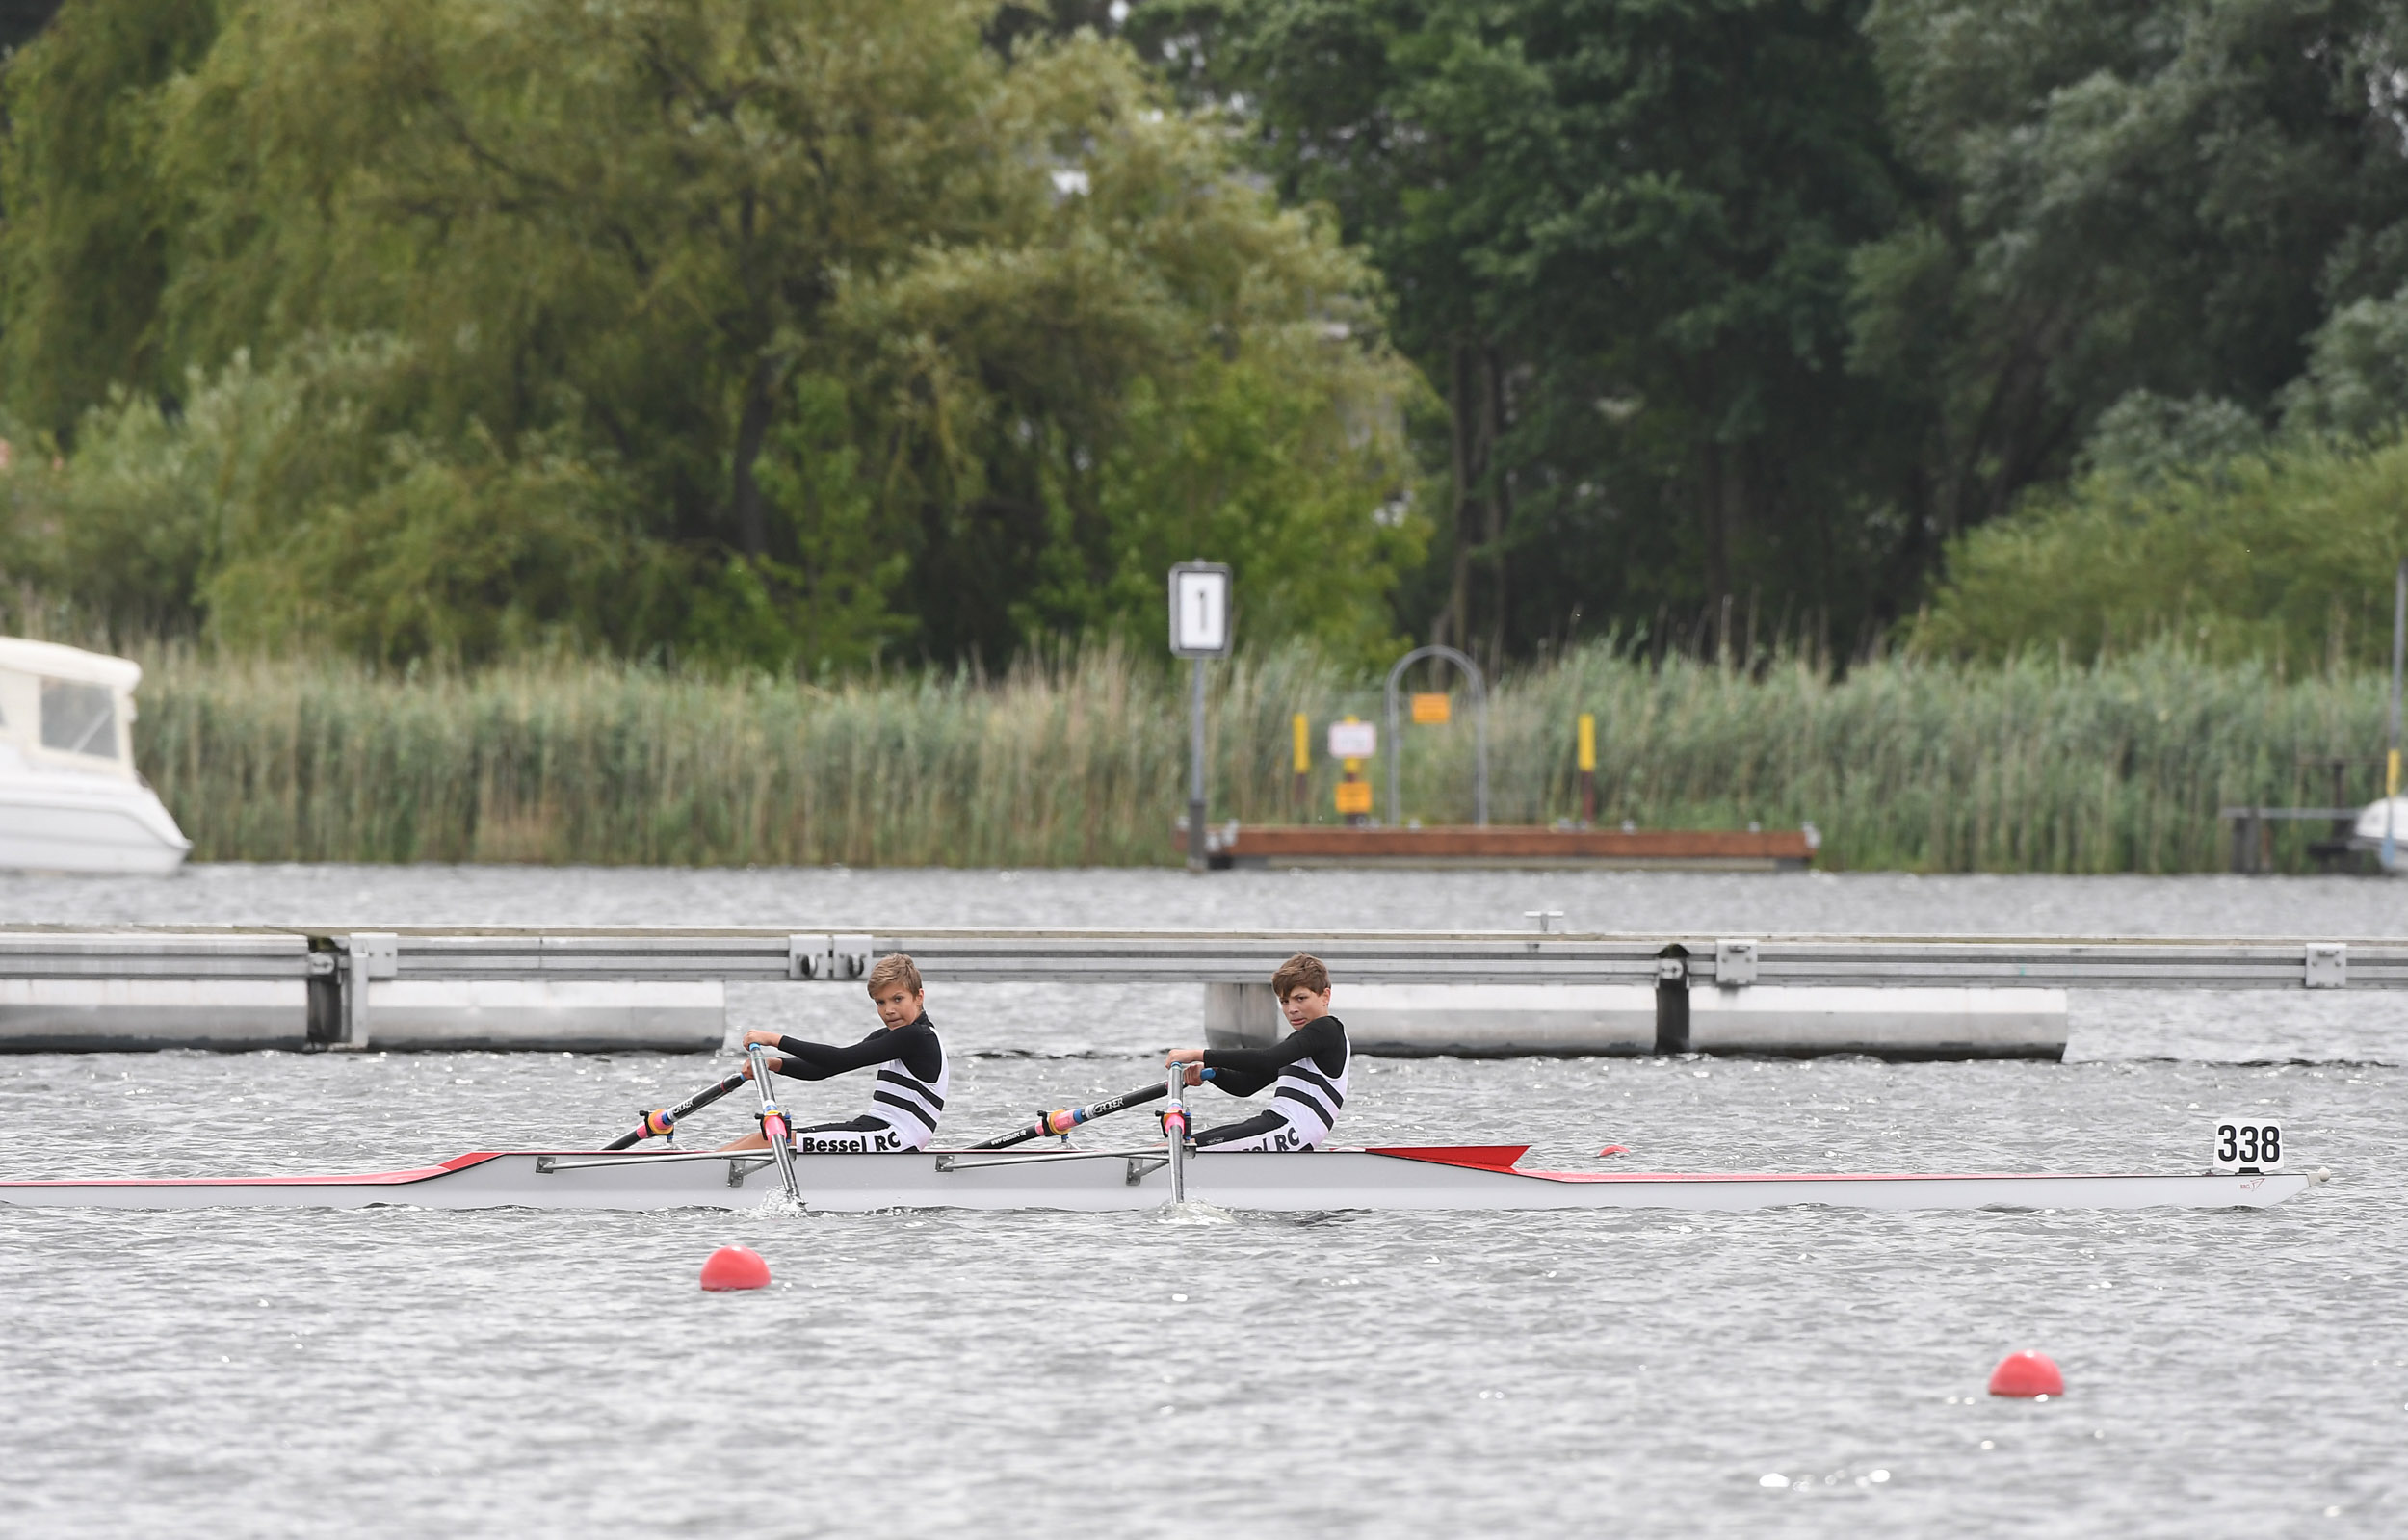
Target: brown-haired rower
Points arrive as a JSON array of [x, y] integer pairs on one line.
[[1306, 1070], [910, 1095]]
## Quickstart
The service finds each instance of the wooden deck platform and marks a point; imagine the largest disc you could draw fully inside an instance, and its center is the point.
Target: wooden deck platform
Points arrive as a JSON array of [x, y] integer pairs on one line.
[[1515, 845]]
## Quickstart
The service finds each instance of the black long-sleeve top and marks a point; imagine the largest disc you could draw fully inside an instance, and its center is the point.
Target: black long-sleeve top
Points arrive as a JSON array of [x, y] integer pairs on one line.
[[1244, 1071], [916, 1045]]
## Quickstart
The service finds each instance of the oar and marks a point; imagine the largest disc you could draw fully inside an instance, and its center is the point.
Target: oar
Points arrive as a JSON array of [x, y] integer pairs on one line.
[[774, 1126], [658, 1123], [1068, 1118]]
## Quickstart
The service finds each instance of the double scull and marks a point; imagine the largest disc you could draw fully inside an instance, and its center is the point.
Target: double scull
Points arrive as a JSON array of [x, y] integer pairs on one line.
[[997, 1176], [1440, 1177]]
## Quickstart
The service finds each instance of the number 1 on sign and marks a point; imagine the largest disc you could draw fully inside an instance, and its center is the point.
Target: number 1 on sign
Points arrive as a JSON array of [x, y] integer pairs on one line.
[[1199, 610], [2253, 1143]]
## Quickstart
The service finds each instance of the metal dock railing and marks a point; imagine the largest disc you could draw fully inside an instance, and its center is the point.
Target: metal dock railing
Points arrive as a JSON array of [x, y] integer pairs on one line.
[[327, 987]]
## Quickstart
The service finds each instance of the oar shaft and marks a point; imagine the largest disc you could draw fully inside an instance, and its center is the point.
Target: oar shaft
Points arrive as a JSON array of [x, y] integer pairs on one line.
[[658, 1123], [1063, 1121]]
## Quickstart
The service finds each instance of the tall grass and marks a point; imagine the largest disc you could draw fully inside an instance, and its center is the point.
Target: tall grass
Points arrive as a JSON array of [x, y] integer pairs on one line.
[[1080, 758]]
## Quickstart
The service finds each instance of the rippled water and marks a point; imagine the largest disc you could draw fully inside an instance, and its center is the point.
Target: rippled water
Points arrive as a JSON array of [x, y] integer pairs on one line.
[[401, 1372]]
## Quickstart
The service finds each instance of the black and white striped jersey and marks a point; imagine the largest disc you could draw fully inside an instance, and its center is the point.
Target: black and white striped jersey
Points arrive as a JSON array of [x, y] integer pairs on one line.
[[1306, 1072], [913, 1075]]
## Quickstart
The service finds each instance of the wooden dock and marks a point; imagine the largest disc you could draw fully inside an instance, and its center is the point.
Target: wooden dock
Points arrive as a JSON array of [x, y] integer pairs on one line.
[[1517, 846]]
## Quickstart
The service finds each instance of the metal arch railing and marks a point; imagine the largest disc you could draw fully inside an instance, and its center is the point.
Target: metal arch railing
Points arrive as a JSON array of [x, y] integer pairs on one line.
[[1395, 745]]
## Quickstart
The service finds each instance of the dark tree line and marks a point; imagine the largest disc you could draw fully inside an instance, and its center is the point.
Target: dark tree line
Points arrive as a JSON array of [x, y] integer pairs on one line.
[[1749, 307], [1727, 315]]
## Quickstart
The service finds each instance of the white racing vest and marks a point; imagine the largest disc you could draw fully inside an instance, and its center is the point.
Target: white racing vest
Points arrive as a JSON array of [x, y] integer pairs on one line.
[[1310, 1099], [910, 1105]]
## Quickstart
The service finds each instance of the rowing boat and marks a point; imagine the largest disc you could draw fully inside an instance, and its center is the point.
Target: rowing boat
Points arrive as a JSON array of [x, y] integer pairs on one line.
[[1441, 1177]]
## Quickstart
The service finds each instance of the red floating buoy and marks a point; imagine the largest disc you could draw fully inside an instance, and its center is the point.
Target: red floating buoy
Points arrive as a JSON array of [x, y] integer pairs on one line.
[[2027, 1374], [733, 1268]]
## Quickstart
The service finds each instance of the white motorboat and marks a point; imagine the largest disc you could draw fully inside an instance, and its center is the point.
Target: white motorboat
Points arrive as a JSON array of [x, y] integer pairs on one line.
[[1443, 1176], [70, 800], [2374, 819]]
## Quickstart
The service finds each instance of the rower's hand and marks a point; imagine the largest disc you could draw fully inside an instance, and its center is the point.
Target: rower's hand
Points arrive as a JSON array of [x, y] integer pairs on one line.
[[765, 1039], [1195, 1074], [777, 1066], [1184, 1055]]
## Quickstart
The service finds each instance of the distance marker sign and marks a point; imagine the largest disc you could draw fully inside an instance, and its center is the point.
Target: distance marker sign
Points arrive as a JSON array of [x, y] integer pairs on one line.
[[1199, 610]]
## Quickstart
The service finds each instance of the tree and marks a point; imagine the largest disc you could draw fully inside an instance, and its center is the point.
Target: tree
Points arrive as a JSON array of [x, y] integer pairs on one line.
[[87, 246], [1618, 235], [776, 331], [2165, 196]]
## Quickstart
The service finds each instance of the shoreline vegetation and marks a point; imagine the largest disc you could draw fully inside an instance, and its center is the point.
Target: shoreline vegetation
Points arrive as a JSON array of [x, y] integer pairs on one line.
[[1078, 756]]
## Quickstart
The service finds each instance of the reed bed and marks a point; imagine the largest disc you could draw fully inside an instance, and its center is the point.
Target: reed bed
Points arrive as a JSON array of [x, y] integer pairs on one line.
[[1080, 758]]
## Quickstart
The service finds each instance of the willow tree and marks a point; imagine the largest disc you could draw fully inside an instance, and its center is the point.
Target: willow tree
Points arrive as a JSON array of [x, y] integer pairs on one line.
[[815, 324]]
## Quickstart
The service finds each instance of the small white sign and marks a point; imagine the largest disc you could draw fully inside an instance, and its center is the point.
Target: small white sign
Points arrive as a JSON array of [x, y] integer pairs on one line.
[[1199, 610], [1353, 739], [2252, 1142]]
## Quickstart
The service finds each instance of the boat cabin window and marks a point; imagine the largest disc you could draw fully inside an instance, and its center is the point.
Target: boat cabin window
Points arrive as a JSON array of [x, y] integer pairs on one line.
[[78, 718]]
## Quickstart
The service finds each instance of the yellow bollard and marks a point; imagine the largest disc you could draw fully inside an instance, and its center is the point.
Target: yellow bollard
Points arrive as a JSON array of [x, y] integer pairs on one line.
[[1303, 767], [1588, 769]]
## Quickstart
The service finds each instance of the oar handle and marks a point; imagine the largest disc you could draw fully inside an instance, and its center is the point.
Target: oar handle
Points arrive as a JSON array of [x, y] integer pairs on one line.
[[1063, 1121], [658, 1123]]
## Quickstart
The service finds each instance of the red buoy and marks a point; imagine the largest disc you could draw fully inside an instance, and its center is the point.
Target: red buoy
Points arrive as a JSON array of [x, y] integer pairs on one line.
[[2027, 1374], [733, 1268]]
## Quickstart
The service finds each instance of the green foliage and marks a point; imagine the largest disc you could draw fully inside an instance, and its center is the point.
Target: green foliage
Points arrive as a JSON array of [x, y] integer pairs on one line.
[[845, 578], [2285, 555], [2356, 382], [90, 228], [755, 331], [1620, 237], [282, 503], [2146, 435], [821, 334], [2119, 195], [1080, 758]]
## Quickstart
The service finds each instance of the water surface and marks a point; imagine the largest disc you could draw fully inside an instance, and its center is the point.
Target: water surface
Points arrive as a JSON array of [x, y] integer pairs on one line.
[[402, 1372]]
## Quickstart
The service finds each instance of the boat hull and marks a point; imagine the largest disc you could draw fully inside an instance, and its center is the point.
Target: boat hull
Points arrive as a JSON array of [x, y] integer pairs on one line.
[[1447, 1178], [86, 823]]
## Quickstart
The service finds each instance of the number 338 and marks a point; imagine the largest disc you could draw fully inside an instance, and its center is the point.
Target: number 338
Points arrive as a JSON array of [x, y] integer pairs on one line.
[[2252, 1142]]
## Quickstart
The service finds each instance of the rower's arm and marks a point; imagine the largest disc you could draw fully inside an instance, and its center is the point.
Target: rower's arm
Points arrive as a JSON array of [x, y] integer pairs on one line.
[[1239, 1083], [817, 1061], [1266, 1062]]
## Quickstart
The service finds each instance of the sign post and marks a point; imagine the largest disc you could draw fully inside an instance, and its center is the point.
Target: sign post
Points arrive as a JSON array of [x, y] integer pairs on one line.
[[2391, 759], [1351, 743], [1199, 629]]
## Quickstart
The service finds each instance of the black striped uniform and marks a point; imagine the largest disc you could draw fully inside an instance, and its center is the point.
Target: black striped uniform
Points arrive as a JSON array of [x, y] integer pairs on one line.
[[1306, 1072], [904, 1104]]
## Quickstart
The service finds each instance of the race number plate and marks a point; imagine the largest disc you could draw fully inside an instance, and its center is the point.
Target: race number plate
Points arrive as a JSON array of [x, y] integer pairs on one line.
[[2254, 1144]]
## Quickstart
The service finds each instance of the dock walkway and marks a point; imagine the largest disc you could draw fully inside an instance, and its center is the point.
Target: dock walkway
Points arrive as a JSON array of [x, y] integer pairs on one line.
[[1472, 992]]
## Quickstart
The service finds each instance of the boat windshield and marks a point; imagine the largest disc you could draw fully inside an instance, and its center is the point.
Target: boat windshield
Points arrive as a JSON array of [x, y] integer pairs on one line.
[[78, 718]]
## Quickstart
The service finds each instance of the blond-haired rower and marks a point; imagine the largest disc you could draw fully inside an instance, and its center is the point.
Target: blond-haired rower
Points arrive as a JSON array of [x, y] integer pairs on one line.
[[912, 1076], [1306, 1070]]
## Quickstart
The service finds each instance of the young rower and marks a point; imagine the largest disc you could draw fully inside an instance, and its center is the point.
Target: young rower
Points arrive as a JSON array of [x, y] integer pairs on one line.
[[1306, 1069], [911, 1071]]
